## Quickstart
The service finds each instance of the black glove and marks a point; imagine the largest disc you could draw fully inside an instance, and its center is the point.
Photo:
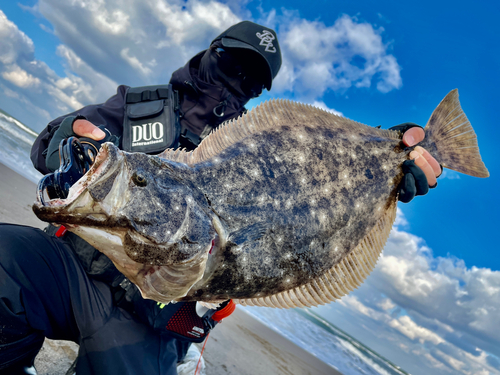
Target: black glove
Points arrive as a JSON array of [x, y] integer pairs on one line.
[[68, 159], [65, 130], [184, 320], [405, 126], [414, 181], [91, 146]]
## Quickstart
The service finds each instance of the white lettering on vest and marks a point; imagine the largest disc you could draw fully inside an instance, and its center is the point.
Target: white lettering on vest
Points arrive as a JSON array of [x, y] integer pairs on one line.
[[146, 132], [136, 133], [157, 130], [143, 134]]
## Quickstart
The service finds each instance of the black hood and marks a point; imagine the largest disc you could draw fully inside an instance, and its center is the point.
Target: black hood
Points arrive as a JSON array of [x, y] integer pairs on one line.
[[205, 99]]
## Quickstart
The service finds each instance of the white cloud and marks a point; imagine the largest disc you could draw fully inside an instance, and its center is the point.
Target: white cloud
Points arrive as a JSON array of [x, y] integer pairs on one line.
[[386, 304], [410, 329], [453, 362], [323, 106], [9, 93], [444, 288], [113, 22], [431, 307], [137, 42], [142, 42], [88, 85], [134, 62], [40, 93], [14, 44], [353, 303], [390, 77], [450, 175], [349, 53], [400, 219], [19, 77], [435, 363]]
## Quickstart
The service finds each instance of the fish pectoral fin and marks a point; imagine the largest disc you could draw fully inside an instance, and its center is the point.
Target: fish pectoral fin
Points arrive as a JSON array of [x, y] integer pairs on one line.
[[249, 233]]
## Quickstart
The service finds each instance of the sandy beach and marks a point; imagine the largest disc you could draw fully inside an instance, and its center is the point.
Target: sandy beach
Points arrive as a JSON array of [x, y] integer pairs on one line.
[[239, 345]]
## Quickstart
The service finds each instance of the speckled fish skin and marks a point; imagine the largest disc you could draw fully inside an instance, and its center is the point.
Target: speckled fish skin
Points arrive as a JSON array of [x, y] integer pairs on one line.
[[157, 230], [314, 193], [298, 203]]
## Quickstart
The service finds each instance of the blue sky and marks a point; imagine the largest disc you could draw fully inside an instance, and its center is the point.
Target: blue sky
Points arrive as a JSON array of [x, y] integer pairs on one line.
[[434, 298]]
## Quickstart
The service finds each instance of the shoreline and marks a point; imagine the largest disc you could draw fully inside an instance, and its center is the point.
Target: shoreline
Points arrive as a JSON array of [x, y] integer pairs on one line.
[[243, 345], [240, 344]]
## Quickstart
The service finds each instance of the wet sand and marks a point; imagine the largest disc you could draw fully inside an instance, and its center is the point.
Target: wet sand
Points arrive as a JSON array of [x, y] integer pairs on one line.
[[239, 345], [242, 345]]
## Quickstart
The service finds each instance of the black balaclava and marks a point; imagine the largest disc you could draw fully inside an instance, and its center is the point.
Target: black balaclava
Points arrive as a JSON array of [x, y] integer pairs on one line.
[[204, 98], [215, 84], [240, 72]]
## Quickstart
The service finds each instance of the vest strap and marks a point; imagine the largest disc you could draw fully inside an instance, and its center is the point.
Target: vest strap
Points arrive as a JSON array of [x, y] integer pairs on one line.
[[147, 95]]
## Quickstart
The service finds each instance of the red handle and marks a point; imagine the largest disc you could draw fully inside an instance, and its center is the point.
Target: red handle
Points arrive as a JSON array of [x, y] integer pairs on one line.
[[225, 312]]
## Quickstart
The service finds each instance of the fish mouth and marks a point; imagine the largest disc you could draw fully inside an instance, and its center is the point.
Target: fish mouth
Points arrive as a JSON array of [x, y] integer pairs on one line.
[[105, 164]]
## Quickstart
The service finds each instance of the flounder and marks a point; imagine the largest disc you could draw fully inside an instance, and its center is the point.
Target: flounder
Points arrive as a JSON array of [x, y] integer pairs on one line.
[[286, 206]]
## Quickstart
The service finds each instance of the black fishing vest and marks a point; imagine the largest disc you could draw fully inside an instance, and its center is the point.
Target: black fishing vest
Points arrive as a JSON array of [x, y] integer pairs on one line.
[[156, 118], [151, 119]]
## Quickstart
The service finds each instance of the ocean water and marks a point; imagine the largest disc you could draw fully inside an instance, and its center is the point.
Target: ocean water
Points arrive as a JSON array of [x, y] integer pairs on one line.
[[15, 145], [324, 340], [317, 336]]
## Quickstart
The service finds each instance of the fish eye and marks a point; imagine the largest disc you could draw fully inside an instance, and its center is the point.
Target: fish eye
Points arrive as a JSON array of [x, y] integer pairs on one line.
[[139, 179]]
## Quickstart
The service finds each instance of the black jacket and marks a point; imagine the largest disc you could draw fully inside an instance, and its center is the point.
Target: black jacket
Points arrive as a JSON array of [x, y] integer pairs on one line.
[[197, 101]]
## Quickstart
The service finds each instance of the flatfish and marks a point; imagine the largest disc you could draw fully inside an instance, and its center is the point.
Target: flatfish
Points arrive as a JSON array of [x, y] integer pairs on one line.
[[287, 206]]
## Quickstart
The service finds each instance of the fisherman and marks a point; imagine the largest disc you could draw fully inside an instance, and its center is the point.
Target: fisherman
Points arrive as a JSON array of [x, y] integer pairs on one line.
[[53, 284]]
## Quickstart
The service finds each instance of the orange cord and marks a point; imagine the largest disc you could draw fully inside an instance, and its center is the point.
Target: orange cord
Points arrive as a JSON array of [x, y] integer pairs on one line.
[[218, 316], [201, 354]]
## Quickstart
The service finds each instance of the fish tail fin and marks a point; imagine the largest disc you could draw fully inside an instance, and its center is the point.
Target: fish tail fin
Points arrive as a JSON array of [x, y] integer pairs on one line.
[[450, 138]]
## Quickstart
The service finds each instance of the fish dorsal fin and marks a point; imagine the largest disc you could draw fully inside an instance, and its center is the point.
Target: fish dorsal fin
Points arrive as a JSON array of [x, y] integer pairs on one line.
[[178, 155], [268, 115], [339, 280]]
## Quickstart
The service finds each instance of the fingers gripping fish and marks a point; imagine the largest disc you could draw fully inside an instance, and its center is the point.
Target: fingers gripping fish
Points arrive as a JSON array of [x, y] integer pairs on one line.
[[287, 206]]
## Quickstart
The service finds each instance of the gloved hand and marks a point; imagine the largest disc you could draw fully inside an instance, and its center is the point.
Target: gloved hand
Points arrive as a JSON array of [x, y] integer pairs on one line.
[[185, 320], [89, 135], [422, 170], [212, 317], [84, 128]]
